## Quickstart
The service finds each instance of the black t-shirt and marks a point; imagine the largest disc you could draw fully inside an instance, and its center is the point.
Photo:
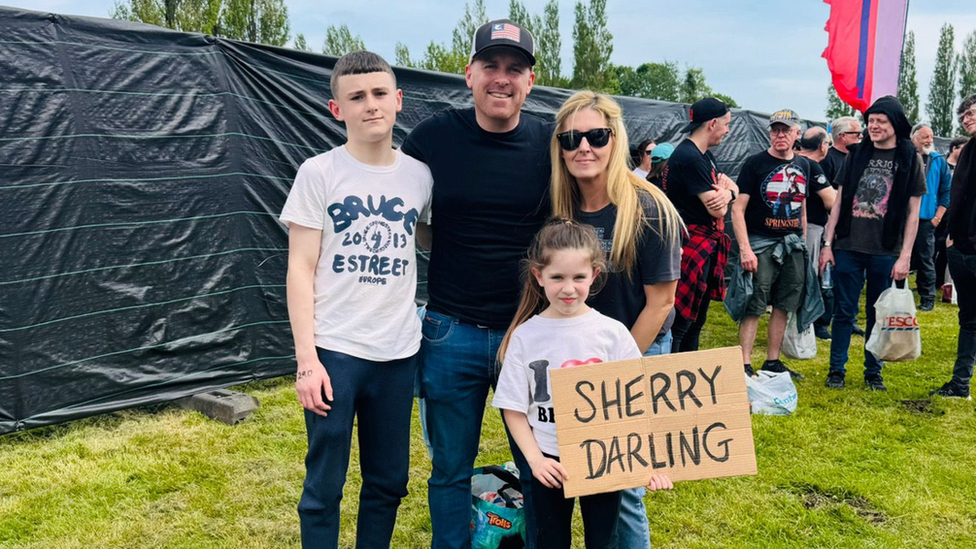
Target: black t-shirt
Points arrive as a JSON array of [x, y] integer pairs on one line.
[[871, 203], [831, 164], [491, 195], [817, 213], [689, 173], [777, 190], [622, 298]]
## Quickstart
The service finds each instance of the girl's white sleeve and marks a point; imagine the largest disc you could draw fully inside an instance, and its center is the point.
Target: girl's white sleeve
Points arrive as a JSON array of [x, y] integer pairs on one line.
[[512, 391]]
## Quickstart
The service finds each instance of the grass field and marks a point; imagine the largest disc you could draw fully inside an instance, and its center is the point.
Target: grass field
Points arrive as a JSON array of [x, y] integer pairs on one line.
[[850, 468]]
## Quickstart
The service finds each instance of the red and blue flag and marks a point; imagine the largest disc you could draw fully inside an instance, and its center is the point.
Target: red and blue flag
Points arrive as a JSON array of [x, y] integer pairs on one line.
[[864, 45]]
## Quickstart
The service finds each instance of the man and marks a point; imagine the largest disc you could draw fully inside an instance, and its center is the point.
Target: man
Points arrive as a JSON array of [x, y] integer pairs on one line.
[[845, 131], [934, 205], [815, 145], [955, 147], [941, 261], [491, 169], [962, 255], [769, 221], [644, 154], [701, 195], [874, 222]]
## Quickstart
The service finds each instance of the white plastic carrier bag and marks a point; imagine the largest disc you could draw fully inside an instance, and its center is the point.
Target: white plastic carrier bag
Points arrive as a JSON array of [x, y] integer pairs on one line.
[[896, 336]]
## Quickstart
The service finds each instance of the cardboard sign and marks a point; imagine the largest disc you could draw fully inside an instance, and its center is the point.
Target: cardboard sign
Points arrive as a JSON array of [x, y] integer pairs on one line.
[[685, 414]]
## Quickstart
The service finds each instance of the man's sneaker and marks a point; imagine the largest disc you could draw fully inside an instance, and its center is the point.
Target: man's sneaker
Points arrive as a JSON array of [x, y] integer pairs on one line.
[[875, 384], [778, 366], [749, 371], [952, 390], [926, 306], [857, 331], [821, 332], [835, 380]]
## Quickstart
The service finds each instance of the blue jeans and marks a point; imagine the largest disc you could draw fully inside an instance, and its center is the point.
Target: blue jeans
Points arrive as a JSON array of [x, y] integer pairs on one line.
[[457, 370], [633, 531], [380, 396], [850, 271]]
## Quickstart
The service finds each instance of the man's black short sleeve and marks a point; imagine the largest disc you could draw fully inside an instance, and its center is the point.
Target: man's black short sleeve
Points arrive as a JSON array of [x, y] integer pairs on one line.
[[832, 163], [491, 195], [689, 173]]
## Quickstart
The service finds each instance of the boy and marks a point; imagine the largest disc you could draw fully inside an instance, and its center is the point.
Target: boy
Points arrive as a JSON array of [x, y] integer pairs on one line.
[[352, 216]]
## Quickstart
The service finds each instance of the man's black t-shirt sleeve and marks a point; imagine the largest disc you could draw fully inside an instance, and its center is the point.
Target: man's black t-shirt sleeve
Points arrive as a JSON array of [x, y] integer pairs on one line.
[[818, 180], [748, 180], [412, 144]]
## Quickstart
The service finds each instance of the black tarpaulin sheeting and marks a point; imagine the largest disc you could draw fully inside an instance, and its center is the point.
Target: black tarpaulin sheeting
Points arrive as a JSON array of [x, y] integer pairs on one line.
[[141, 174]]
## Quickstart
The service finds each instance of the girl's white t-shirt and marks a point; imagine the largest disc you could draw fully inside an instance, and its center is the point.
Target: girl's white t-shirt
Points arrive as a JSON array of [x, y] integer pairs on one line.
[[543, 344], [366, 276]]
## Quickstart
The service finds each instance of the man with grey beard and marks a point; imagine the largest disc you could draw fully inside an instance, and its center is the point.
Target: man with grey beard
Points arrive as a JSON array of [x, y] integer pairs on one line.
[[934, 205]]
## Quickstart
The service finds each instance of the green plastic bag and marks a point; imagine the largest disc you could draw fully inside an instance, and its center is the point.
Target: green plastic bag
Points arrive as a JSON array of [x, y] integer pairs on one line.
[[497, 516]]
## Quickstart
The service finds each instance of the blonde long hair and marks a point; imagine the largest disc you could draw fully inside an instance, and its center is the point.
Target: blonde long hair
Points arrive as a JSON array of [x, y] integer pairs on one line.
[[623, 186], [556, 235]]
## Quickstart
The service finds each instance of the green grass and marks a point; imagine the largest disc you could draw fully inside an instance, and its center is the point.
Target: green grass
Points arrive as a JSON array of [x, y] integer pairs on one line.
[[850, 468]]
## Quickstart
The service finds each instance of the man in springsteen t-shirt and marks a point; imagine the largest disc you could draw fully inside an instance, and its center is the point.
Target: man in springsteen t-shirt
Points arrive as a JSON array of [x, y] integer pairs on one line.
[[491, 170], [769, 218], [874, 220], [701, 195]]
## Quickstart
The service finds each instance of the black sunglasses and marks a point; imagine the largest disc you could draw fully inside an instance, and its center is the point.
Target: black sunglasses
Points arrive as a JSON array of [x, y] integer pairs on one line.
[[597, 137]]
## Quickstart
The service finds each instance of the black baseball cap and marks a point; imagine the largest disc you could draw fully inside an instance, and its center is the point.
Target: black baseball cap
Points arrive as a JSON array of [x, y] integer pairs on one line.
[[503, 32], [704, 110]]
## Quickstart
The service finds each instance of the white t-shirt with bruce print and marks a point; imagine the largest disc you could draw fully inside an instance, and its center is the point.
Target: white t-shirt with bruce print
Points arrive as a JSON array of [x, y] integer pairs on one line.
[[366, 275], [543, 344]]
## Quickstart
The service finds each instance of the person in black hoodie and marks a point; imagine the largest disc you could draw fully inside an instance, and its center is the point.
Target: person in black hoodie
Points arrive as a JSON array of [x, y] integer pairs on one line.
[[961, 252], [874, 224]]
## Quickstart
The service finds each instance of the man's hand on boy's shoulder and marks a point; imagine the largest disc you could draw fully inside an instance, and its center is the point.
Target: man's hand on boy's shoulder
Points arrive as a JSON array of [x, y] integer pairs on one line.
[[314, 388]]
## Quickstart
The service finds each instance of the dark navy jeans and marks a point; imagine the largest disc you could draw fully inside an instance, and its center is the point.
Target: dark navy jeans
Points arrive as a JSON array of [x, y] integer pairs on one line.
[[851, 269], [963, 269], [380, 395], [457, 370]]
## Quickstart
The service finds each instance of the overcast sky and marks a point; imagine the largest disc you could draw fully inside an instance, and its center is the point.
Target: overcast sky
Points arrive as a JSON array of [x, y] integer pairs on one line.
[[766, 54]]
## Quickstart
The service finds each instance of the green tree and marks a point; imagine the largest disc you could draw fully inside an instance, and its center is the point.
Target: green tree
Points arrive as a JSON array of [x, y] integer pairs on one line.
[[183, 15], [650, 81], [453, 58], [340, 41], [942, 92], [300, 43], [262, 21], [592, 46], [908, 80], [693, 86], [967, 67], [549, 43], [836, 108], [401, 54], [727, 99], [520, 16]]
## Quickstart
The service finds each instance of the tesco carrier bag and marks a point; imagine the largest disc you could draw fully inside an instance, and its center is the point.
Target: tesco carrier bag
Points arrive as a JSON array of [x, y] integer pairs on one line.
[[896, 336]]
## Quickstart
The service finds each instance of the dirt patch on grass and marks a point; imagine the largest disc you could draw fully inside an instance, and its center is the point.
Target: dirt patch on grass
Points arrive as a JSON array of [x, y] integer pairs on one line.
[[918, 406], [814, 497]]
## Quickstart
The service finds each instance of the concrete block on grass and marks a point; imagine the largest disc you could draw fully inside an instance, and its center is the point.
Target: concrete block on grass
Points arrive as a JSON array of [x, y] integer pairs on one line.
[[222, 405]]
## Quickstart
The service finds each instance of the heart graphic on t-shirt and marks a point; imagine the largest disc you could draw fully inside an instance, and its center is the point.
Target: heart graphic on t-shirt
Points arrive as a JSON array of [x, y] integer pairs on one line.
[[572, 363]]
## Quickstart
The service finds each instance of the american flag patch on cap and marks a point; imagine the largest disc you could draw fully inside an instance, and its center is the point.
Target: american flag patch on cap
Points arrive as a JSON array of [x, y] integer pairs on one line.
[[507, 31]]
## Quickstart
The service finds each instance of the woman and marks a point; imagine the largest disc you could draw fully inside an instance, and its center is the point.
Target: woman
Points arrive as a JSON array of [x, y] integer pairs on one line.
[[639, 229]]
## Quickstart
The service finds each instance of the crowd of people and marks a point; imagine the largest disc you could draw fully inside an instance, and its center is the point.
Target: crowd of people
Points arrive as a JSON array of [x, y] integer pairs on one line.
[[550, 247]]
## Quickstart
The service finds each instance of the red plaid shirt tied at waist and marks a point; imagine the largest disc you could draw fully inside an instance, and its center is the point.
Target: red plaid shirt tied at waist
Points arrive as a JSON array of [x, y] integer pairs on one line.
[[704, 241]]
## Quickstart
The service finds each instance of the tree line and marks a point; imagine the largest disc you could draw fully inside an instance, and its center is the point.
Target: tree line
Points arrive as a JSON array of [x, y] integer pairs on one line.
[[953, 79], [266, 21]]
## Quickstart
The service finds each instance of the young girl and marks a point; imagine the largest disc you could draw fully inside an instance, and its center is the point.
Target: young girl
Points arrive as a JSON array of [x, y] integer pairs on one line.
[[555, 328]]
